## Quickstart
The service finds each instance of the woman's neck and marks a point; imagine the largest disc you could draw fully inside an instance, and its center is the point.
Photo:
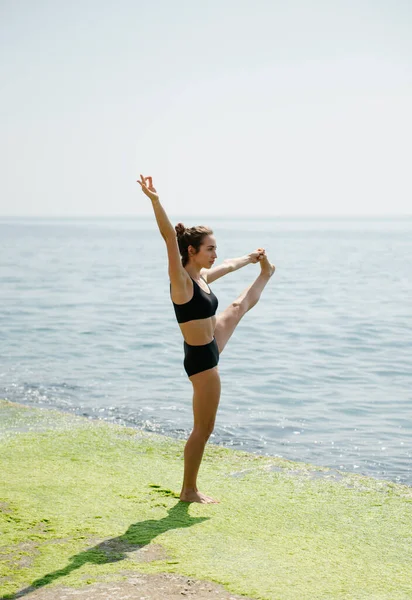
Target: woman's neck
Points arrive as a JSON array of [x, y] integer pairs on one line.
[[193, 271]]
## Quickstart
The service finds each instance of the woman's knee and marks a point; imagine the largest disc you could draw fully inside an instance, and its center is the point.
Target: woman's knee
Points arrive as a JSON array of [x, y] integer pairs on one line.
[[239, 308], [204, 430]]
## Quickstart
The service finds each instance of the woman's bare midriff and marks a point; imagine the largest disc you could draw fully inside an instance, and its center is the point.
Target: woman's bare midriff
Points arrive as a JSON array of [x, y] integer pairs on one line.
[[198, 332]]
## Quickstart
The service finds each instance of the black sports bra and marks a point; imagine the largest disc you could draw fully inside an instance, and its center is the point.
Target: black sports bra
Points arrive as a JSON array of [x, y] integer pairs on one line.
[[201, 306]]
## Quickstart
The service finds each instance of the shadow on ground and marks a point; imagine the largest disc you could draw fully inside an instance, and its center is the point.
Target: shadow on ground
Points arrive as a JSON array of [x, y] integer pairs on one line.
[[116, 549]]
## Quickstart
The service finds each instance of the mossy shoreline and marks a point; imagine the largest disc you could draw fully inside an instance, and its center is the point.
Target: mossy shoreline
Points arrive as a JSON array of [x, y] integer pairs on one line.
[[83, 501]]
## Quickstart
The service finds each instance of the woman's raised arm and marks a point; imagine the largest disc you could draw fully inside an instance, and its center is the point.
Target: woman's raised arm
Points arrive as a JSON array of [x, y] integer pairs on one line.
[[177, 274], [165, 227]]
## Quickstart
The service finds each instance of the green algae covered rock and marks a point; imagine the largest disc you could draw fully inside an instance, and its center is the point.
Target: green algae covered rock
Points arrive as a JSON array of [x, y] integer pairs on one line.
[[85, 501]]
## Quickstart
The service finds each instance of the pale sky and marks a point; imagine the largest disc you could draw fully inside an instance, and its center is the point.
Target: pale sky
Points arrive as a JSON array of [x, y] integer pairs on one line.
[[275, 107]]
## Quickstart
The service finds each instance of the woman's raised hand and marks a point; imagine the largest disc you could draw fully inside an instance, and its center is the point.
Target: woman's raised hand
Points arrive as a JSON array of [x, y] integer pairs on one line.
[[257, 255], [148, 188]]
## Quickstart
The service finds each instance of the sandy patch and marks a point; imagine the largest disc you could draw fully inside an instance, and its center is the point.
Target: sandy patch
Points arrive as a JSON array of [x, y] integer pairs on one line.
[[138, 587]]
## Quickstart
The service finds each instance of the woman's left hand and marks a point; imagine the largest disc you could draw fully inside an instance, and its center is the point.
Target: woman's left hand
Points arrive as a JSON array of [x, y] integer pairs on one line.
[[257, 255]]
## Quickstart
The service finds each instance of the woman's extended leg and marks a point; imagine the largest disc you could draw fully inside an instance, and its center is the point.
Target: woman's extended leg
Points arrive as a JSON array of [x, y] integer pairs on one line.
[[206, 396], [227, 320]]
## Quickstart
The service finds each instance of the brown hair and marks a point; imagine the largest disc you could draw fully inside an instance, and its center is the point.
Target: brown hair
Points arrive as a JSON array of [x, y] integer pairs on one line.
[[192, 236]]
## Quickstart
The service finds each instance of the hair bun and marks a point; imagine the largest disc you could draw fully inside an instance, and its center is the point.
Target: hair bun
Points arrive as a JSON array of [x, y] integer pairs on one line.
[[180, 229]]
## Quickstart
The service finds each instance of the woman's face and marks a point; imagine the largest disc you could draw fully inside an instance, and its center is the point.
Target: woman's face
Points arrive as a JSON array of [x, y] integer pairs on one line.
[[207, 252]]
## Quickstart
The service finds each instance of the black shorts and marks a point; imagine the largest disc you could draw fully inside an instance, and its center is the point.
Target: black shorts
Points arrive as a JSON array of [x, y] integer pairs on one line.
[[200, 358]]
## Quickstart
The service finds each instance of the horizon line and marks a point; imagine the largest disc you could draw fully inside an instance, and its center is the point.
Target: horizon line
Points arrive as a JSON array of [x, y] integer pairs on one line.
[[236, 218]]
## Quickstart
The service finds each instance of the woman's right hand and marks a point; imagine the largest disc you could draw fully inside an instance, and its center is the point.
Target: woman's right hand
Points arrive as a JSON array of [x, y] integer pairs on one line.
[[149, 190]]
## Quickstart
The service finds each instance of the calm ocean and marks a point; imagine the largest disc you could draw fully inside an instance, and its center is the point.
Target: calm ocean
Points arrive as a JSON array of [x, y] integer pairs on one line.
[[319, 371]]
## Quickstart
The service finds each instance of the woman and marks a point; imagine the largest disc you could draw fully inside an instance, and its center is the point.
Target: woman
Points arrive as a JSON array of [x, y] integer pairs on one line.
[[191, 253]]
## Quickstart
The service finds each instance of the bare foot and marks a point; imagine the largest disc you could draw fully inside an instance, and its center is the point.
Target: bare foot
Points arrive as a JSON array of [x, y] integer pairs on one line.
[[266, 267], [195, 496]]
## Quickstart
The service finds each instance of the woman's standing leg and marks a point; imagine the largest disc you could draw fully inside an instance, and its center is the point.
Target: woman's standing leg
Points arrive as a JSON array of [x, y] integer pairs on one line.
[[206, 396]]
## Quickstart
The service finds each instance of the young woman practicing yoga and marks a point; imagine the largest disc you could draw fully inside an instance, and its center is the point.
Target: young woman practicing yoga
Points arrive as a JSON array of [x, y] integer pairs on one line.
[[191, 253]]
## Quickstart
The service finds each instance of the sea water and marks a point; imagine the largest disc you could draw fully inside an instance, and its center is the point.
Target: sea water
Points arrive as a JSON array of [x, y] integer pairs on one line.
[[320, 370]]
